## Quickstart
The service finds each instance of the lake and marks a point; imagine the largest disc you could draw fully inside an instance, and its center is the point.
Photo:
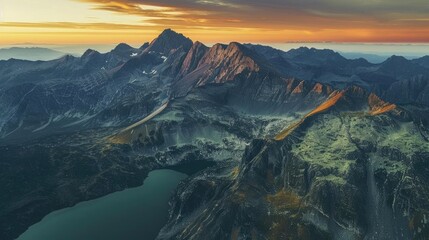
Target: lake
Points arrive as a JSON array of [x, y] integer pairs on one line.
[[136, 213]]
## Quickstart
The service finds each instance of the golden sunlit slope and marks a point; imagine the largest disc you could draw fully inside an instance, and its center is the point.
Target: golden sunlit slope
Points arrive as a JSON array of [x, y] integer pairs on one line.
[[332, 100], [371, 105]]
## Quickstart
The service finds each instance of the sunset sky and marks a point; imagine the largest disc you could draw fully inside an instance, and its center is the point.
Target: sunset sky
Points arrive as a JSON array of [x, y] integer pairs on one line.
[[137, 21]]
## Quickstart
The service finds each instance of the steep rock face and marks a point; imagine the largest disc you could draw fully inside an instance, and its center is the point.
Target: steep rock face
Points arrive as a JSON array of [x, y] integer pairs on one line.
[[167, 41], [268, 93], [225, 62], [219, 65], [414, 90], [123, 48], [340, 174], [172, 63], [193, 58]]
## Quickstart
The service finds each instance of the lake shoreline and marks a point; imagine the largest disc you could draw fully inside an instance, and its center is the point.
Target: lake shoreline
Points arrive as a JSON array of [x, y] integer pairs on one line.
[[187, 168]]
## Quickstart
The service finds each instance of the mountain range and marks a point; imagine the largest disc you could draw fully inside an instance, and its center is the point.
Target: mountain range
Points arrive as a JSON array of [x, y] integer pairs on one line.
[[306, 143], [30, 53]]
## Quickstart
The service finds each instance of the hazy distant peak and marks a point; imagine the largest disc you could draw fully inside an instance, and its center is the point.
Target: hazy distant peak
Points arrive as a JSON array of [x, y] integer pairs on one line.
[[30, 53], [122, 47], [90, 52], [394, 62], [396, 59]]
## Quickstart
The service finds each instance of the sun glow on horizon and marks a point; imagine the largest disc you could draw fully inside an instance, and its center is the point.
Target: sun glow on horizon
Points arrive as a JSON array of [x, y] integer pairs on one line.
[[134, 21]]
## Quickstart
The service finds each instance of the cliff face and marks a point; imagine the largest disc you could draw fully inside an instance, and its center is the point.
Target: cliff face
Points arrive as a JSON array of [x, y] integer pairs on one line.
[[193, 58], [220, 64], [414, 90], [344, 172], [225, 62]]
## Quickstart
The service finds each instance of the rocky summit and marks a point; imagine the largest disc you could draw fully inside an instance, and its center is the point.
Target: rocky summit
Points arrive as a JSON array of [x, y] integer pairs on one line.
[[303, 144]]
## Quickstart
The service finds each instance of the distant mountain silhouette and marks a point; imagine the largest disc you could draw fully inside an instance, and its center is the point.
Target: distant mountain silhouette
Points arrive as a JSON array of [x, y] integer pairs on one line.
[[30, 53]]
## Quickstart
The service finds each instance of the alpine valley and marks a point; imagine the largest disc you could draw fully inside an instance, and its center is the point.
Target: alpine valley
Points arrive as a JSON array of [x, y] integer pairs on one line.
[[303, 144]]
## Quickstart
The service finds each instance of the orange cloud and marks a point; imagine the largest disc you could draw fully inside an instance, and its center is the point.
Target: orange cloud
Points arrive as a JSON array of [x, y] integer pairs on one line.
[[246, 21]]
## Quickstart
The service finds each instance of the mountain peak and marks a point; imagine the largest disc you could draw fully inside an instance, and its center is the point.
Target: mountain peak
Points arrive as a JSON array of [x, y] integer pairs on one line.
[[238, 47], [90, 52], [235, 45], [401, 66], [233, 55], [195, 54], [169, 40], [169, 31], [313, 55], [198, 44], [221, 63], [396, 59], [122, 47]]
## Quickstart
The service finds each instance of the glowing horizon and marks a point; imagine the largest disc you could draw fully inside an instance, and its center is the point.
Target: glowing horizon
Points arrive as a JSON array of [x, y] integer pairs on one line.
[[271, 21]]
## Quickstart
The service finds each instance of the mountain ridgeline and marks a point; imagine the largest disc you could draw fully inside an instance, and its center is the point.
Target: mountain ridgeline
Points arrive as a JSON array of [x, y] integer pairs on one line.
[[306, 144]]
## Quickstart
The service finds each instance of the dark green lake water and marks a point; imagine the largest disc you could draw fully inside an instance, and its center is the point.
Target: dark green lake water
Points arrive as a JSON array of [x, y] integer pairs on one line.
[[137, 213]]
